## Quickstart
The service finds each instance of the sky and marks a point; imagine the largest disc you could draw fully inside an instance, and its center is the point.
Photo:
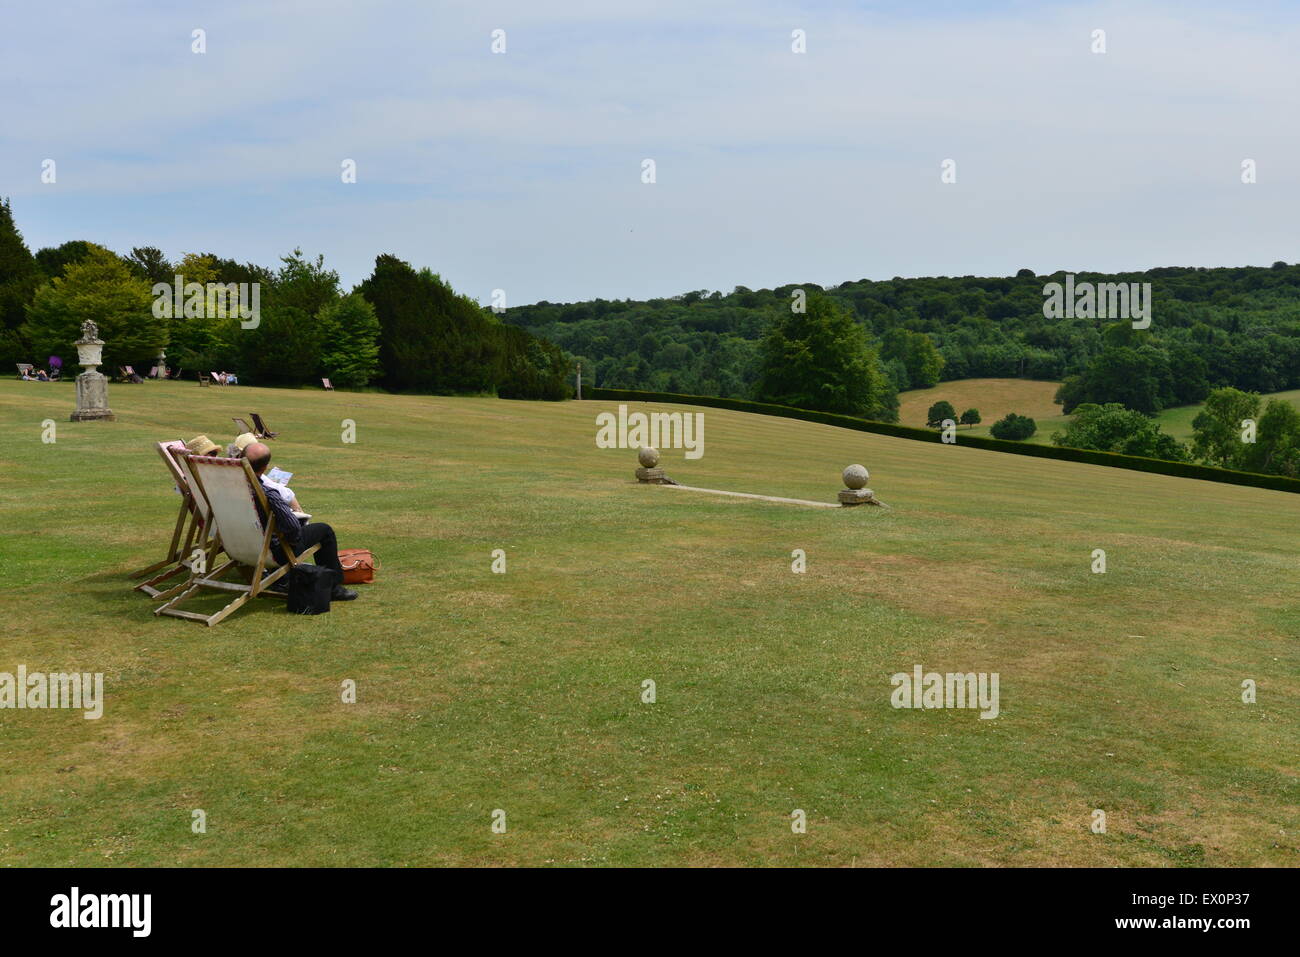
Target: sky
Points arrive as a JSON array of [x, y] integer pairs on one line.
[[523, 170]]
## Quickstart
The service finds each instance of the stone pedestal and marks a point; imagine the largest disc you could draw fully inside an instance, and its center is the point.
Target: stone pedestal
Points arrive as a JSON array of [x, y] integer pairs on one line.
[[653, 476], [92, 398], [856, 496]]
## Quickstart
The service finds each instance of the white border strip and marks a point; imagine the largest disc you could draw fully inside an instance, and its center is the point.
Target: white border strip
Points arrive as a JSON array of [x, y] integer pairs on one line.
[[761, 498]]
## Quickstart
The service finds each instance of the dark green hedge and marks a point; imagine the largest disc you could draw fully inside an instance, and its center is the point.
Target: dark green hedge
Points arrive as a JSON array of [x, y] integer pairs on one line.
[[1181, 469]]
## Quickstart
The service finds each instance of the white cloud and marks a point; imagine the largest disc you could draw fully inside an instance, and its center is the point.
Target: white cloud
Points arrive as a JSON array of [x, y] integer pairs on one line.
[[523, 169]]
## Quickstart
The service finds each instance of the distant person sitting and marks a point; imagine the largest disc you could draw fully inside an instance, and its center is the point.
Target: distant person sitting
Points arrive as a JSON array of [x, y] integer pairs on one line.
[[229, 378], [41, 376], [296, 534]]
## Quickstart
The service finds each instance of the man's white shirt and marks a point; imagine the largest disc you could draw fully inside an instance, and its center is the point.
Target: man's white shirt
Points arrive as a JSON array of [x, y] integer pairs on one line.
[[285, 493]]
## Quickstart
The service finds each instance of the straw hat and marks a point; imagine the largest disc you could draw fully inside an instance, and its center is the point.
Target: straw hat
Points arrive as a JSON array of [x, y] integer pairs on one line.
[[202, 445], [242, 441]]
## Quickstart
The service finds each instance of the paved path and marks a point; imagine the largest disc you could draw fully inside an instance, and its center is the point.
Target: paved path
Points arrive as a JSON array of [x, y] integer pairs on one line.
[[761, 498]]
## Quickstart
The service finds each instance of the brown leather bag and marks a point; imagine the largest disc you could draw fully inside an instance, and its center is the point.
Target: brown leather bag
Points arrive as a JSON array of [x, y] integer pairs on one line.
[[358, 565]]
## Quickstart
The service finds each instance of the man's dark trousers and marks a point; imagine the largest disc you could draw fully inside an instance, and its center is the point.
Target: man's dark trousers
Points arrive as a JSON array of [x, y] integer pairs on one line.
[[318, 533]]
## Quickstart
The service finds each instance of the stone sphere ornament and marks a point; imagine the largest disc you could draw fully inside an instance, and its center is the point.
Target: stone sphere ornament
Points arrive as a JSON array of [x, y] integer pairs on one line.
[[649, 473], [855, 477]]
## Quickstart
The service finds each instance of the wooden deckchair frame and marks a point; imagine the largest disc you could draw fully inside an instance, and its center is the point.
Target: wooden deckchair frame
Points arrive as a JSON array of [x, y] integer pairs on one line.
[[261, 431], [208, 542], [188, 521], [242, 426], [194, 520], [257, 586]]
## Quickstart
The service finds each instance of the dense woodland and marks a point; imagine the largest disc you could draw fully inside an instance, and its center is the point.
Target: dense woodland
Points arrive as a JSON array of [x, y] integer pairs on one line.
[[1235, 327]]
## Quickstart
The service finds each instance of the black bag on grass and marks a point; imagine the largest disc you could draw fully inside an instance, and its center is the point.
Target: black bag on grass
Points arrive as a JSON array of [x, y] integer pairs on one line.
[[310, 587]]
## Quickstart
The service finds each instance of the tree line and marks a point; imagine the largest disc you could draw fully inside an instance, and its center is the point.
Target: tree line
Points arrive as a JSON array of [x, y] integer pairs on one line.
[[1211, 328], [402, 328]]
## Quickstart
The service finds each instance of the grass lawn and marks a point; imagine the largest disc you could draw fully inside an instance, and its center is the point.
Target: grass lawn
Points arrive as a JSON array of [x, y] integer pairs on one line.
[[1178, 421], [522, 691]]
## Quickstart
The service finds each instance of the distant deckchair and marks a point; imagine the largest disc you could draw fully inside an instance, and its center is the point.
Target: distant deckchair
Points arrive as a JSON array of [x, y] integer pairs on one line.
[[24, 368], [241, 425], [326, 384], [262, 432], [234, 495], [189, 522]]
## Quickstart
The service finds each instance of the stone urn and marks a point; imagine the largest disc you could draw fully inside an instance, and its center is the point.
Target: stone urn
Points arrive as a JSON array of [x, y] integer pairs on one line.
[[92, 385]]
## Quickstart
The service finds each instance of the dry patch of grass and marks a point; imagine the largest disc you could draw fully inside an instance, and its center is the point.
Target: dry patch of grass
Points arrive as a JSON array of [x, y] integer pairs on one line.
[[993, 397]]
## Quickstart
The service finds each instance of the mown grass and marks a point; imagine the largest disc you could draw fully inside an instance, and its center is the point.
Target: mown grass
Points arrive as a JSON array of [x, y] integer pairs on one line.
[[522, 691]]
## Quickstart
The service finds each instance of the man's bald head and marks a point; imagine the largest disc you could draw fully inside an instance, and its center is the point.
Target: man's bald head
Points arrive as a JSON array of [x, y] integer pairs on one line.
[[258, 455]]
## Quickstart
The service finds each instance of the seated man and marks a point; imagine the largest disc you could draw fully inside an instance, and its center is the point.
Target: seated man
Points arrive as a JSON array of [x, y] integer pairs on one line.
[[235, 450], [297, 535]]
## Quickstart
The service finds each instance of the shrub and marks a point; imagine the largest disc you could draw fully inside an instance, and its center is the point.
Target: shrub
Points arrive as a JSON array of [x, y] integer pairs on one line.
[[1015, 427]]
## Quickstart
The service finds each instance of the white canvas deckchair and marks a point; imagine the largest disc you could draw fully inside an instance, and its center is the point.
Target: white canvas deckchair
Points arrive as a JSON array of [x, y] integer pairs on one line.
[[207, 540], [188, 521], [233, 495], [202, 543]]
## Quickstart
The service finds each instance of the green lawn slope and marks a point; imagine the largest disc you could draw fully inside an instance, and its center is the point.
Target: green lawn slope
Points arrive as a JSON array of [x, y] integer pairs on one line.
[[523, 691]]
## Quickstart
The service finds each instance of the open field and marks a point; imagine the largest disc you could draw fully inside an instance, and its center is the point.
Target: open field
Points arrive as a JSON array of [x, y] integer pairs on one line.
[[994, 398], [1178, 421], [522, 691], [1034, 399]]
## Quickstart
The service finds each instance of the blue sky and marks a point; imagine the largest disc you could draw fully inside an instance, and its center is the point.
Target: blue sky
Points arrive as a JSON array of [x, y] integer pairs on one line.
[[522, 171]]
